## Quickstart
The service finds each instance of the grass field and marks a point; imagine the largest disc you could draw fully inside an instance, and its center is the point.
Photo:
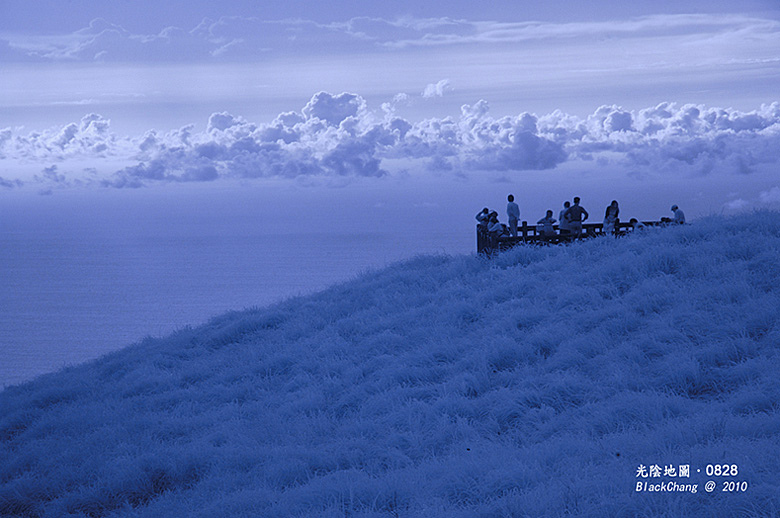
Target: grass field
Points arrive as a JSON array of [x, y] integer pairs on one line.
[[539, 383]]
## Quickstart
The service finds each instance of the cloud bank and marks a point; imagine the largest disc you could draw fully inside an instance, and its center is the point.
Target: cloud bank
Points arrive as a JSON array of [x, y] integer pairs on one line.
[[341, 136]]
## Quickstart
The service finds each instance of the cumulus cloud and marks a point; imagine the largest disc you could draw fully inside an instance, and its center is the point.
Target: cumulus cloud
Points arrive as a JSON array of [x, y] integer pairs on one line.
[[436, 89], [334, 109], [339, 135], [91, 136]]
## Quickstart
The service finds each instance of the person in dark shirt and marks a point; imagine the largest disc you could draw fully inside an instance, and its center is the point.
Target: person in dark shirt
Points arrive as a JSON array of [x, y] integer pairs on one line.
[[575, 215], [545, 225]]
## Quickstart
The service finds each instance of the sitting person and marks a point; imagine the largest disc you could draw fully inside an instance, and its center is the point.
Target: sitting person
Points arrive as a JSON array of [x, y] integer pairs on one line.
[[635, 224], [495, 227], [679, 216], [545, 225]]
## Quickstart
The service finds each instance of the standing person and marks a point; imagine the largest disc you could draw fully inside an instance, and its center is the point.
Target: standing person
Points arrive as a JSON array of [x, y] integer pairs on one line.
[[563, 225], [576, 215], [513, 213], [611, 217], [546, 225], [679, 216]]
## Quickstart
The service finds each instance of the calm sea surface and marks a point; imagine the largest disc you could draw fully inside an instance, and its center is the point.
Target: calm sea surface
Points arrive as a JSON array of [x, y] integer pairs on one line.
[[75, 284]]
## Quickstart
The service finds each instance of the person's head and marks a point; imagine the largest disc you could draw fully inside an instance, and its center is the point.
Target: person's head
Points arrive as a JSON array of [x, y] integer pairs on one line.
[[510, 198], [549, 213], [614, 203], [576, 200], [674, 208], [566, 204], [633, 221], [485, 210]]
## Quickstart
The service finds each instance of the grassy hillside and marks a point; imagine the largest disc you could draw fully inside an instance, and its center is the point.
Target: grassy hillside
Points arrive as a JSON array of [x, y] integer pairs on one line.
[[534, 384]]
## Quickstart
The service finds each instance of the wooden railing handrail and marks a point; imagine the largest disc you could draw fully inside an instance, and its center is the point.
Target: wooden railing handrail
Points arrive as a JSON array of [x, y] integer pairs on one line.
[[530, 234]]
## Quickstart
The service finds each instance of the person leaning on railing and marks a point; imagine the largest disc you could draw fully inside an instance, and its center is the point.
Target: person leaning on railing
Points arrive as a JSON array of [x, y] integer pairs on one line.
[[679, 215], [545, 225], [495, 227]]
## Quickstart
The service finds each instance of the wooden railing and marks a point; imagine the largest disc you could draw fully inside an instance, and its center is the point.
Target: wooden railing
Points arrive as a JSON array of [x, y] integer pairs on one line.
[[530, 234]]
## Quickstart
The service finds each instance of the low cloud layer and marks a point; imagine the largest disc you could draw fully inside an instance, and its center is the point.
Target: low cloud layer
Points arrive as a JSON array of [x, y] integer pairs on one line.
[[341, 136]]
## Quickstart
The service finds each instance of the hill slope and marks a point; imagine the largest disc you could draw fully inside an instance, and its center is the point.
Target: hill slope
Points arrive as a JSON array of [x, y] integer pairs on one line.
[[535, 384]]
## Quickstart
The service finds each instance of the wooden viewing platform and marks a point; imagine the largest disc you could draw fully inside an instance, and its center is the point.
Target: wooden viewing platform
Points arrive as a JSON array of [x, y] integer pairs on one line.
[[529, 234]]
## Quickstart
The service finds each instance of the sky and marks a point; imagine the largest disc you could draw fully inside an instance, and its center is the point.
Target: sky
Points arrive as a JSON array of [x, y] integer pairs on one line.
[[104, 95]]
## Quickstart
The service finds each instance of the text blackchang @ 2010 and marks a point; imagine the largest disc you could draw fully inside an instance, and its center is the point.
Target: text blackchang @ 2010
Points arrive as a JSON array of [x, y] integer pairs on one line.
[[657, 479]]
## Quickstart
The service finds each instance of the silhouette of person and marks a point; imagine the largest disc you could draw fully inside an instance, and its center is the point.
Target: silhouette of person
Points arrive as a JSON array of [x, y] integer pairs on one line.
[[513, 214], [636, 224], [563, 225], [546, 224], [679, 216], [482, 218], [576, 215], [495, 227], [611, 217]]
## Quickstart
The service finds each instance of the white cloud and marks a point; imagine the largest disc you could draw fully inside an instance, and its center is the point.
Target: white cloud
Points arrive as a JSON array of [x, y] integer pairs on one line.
[[770, 197], [737, 205], [436, 89], [91, 136], [335, 109], [340, 136]]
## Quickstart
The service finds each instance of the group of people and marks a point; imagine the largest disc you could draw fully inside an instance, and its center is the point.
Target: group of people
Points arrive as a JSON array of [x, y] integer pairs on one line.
[[571, 218]]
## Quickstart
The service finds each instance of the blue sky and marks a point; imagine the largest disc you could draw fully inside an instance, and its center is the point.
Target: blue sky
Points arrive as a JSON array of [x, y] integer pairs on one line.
[[138, 93]]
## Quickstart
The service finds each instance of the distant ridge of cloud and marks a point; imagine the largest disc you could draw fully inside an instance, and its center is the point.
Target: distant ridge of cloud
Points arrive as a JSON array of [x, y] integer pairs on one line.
[[340, 136]]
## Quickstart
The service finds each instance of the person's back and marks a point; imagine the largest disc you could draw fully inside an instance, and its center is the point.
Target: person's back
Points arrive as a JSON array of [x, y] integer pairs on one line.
[[563, 224], [679, 216], [546, 224], [497, 229], [575, 215]]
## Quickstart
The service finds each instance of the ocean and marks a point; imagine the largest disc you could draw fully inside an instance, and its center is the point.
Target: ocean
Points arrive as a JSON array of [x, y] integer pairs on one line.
[[82, 275]]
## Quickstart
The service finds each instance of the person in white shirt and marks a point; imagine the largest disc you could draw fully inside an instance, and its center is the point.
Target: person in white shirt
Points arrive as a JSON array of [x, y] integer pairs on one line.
[[513, 213], [563, 225], [546, 225], [611, 217], [495, 227], [679, 216]]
